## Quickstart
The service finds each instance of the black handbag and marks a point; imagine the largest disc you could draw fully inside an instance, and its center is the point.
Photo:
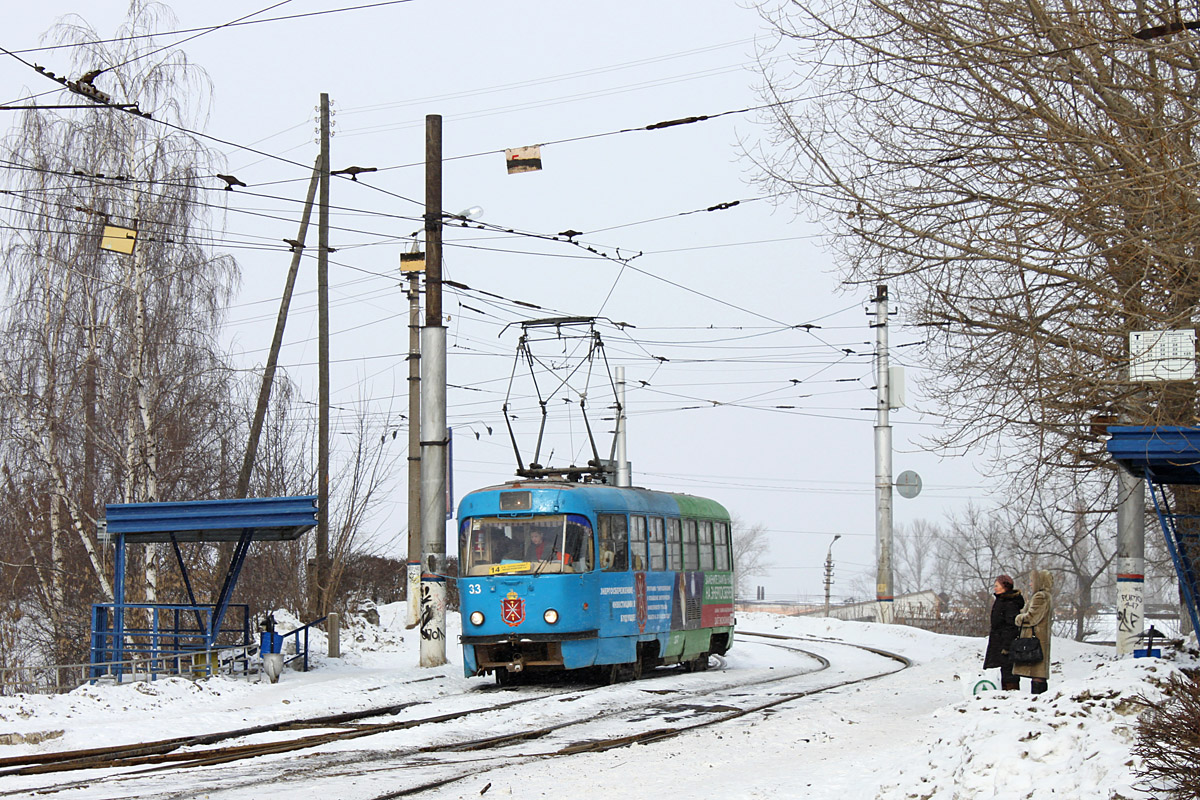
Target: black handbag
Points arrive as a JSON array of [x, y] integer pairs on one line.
[[1025, 649]]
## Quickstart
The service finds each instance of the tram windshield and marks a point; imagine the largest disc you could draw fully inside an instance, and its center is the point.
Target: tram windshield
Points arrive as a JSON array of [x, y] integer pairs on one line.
[[552, 543]]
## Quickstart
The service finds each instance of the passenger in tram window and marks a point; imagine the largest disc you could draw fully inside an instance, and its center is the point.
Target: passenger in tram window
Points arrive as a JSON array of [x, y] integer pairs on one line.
[[504, 548], [575, 537], [535, 548]]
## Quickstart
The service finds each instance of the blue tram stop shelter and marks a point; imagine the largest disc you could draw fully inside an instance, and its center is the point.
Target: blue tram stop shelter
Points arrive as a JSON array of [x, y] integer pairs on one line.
[[151, 639], [1167, 456]]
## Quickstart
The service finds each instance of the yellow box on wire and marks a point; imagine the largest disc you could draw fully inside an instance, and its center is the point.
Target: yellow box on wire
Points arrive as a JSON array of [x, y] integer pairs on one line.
[[117, 239]]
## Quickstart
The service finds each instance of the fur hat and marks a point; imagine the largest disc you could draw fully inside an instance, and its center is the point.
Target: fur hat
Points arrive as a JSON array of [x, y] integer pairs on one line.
[[1005, 580]]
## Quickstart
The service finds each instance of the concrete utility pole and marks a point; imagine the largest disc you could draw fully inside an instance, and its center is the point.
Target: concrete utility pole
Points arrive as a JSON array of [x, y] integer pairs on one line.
[[433, 414], [883, 462], [829, 572], [322, 583], [1131, 561], [413, 591], [624, 478]]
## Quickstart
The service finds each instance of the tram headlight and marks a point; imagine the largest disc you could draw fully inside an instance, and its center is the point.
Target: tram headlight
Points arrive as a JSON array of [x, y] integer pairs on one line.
[[476, 618], [551, 616]]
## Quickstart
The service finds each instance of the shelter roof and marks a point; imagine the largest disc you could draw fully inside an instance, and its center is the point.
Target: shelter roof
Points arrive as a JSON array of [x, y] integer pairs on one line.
[[267, 519], [1162, 454]]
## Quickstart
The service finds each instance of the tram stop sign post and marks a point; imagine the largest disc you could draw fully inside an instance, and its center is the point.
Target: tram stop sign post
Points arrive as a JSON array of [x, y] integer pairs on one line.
[[908, 484]]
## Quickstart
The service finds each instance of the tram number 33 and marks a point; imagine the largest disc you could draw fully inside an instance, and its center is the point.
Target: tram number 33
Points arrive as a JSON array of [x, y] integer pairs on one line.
[[474, 588]]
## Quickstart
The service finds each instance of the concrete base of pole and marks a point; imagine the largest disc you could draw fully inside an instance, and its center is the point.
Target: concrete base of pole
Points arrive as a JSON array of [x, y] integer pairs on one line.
[[1131, 611], [433, 621], [1131, 561], [413, 593]]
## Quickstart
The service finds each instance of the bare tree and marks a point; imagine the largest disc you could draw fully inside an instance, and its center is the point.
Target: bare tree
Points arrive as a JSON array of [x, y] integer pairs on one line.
[[112, 384], [1026, 174], [751, 549], [915, 556], [1069, 528], [365, 464], [356, 492]]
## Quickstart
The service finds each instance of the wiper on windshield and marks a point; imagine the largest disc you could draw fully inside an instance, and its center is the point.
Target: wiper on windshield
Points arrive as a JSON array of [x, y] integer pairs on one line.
[[561, 536]]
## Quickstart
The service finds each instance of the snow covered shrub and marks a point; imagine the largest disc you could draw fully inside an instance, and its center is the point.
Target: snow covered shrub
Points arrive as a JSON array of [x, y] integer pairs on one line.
[[1168, 739]]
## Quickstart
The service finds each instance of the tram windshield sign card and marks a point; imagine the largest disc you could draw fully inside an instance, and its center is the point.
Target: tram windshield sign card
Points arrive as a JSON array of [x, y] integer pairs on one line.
[[504, 569]]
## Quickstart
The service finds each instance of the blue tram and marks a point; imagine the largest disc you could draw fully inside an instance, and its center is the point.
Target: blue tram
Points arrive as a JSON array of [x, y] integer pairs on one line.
[[556, 575]]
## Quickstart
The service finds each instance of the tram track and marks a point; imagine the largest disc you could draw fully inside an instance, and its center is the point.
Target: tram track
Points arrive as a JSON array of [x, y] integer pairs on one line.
[[167, 750], [675, 712], [662, 734]]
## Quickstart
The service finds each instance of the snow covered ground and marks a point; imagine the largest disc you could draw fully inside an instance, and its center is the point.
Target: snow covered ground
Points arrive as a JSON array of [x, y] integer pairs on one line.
[[914, 734]]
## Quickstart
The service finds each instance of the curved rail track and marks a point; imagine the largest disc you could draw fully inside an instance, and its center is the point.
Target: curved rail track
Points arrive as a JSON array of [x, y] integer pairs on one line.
[[464, 742]]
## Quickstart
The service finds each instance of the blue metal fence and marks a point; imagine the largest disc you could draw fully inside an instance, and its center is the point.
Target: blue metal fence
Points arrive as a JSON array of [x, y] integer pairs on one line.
[[159, 633]]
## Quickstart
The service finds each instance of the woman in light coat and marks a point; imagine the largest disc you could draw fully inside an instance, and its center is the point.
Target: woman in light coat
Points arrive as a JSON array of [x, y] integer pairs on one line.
[[1038, 614]]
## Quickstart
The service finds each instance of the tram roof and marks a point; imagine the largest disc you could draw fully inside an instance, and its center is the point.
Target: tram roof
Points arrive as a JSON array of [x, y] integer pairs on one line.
[[1164, 454], [268, 519], [689, 505]]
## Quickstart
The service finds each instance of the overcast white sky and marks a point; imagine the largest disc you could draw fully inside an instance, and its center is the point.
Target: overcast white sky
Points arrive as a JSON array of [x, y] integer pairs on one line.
[[712, 293]]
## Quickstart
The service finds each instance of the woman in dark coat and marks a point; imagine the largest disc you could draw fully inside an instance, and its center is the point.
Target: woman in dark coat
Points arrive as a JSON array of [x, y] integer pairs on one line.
[[1007, 605]]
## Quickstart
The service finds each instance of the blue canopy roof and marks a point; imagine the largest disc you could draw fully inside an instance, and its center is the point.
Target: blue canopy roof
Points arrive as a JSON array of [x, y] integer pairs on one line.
[[1165, 455], [267, 518]]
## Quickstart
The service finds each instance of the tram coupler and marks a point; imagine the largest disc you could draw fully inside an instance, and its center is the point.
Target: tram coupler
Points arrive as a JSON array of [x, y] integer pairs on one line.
[[516, 665]]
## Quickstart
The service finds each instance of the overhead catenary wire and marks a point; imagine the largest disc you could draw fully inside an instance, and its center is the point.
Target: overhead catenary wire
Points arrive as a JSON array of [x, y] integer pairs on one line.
[[245, 21], [500, 314], [197, 35], [655, 126]]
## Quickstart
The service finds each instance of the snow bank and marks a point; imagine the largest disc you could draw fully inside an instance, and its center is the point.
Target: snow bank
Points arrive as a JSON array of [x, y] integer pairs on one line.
[[1072, 741]]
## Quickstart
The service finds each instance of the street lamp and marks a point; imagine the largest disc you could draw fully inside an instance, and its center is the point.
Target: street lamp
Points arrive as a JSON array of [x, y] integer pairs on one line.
[[829, 571]]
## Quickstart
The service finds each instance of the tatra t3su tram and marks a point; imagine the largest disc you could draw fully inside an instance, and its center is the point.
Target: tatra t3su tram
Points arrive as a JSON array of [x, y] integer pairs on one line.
[[558, 575]]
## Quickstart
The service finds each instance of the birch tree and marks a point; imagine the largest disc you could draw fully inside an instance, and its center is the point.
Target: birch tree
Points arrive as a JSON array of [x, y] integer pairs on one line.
[[112, 384]]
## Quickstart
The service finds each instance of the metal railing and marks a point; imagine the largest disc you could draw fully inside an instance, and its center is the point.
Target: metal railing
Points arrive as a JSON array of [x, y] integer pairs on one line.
[[150, 632], [301, 652], [145, 666], [61, 678]]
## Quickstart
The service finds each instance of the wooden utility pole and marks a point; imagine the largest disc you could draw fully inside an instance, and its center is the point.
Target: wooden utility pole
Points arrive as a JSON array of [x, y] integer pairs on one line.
[[433, 414], [264, 392], [321, 589]]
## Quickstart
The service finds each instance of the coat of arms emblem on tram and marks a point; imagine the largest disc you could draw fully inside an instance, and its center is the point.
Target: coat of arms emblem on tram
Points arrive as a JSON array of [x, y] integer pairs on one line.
[[512, 610]]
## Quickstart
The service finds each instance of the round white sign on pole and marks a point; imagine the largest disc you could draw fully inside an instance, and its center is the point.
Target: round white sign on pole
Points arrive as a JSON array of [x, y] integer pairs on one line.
[[908, 484]]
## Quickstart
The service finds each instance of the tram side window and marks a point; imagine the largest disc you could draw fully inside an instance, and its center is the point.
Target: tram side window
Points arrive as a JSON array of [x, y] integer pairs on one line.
[[721, 544], [674, 546], [706, 550], [637, 543], [614, 544], [658, 558], [691, 556]]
